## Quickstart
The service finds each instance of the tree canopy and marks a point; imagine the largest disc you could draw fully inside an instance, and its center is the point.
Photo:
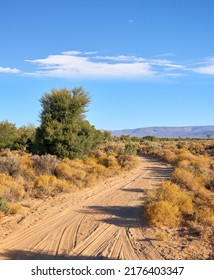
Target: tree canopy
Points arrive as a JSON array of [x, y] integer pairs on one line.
[[8, 134], [64, 131]]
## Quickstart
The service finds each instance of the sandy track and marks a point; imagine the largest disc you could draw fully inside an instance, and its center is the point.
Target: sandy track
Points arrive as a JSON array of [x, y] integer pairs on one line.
[[104, 222]]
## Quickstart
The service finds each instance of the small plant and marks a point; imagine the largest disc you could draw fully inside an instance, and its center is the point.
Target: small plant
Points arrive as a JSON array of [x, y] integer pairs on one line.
[[161, 236], [14, 208], [3, 204]]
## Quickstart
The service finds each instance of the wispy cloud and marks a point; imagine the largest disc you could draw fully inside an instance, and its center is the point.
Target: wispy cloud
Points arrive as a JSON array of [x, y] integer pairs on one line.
[[76, 64], [207, 67], [9, 70]]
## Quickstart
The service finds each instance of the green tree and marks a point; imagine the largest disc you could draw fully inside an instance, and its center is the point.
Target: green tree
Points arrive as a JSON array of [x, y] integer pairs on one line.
[[8, 134], [64, 131], [26, 138]]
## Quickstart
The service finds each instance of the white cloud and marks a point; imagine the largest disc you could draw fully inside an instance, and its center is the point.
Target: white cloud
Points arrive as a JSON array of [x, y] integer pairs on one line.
[[76, 64], [207, 68], [71, 52], [120, 58], [166, 63], [72, 65], [9, 70]]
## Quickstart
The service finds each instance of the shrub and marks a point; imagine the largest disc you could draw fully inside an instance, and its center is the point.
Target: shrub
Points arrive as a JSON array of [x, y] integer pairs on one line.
[[45, 164], [185, 155], [72, 171], [110, 147], [161, 236], [187, 178], [173, 193], [128, 162], [26, 167], [170, 156], [205, 216], [62, 186], [10, 165], [163, 213], [93, 167], [14, 208], [44, 185], [130, 149], [11, 189]]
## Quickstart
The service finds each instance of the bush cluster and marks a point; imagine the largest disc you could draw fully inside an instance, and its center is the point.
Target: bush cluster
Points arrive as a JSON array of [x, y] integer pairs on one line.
[[169, 205], [193, 174]]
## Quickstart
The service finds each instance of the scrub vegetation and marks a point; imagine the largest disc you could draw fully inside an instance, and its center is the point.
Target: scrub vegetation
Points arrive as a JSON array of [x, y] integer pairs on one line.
[[63, 154], [66, 153]]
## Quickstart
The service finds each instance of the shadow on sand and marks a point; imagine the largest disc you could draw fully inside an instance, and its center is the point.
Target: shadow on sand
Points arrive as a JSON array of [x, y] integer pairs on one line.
[[29, 255]]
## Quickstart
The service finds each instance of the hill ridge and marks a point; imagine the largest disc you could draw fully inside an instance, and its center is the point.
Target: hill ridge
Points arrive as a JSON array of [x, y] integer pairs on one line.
[[169, 131]]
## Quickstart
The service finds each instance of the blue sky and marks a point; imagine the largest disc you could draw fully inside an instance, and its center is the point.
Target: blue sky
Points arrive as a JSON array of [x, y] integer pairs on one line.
[[143, 62]]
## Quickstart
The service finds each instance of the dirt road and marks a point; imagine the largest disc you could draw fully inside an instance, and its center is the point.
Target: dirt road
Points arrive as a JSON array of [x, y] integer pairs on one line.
[[103, 222]]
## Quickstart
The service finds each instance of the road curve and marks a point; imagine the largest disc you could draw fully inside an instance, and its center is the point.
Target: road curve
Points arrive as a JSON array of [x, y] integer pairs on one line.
[[104, 222]]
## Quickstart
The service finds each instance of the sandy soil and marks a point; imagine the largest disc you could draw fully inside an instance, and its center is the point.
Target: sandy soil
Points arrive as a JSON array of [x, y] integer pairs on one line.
[[103, 222]]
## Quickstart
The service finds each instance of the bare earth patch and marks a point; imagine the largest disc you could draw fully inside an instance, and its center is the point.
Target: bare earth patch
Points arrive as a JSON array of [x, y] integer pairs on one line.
[[103, 222]]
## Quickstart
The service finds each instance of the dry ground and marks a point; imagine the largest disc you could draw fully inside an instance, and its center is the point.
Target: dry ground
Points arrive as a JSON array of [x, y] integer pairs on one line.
[[103, 222]]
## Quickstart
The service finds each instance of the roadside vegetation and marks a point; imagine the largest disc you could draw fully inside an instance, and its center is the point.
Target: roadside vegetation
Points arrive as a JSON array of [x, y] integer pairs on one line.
[[188, 199], [63, 154]]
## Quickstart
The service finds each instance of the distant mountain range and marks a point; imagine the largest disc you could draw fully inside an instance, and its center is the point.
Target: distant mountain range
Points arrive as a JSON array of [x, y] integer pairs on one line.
[[169, 132]]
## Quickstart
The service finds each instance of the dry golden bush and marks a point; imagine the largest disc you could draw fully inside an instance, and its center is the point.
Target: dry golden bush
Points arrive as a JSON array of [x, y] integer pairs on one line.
[[170, 156], [62, 186], [185, 155], [188, 179], [26, 167], [163, 213], [174, 194], [128, 162], [93, 167], [73, 171], [44, 185], [12, 190], [14, 208], [161, 236], [205, 216]]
